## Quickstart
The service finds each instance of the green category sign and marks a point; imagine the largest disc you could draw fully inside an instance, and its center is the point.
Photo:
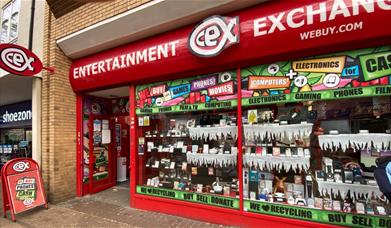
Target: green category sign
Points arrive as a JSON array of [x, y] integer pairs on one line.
[[189, 107], [350, 74], [204, 92], [213, 200], [321, 95], [376, 65], [316, 215]]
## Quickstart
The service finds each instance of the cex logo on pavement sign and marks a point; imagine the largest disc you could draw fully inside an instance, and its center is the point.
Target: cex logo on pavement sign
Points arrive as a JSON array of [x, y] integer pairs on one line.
[[213, 35], [19, 60], [21, 166]]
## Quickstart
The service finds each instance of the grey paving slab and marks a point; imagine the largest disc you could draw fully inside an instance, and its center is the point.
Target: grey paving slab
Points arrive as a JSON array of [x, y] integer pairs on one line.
[[109, 208]]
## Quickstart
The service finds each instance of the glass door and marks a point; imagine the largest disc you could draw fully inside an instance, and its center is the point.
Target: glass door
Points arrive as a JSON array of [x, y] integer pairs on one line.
[[101, 153]]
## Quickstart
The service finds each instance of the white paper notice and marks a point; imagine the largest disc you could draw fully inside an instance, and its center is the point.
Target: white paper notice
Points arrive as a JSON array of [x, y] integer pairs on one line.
[[105, 124], [106, 136]]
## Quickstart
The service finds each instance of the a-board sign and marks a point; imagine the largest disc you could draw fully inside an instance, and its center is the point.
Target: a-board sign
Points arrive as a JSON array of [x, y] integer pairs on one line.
[[22, 186]]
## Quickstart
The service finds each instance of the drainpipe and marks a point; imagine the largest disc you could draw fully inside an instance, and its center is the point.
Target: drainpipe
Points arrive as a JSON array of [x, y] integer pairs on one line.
[[36, 102], [31, 30]]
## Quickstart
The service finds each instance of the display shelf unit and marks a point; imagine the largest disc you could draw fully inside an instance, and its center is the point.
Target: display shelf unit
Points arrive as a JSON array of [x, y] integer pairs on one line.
[[343, 188], [211, 159], [275, 130], [361, 140], [214, 132], [276, 162]]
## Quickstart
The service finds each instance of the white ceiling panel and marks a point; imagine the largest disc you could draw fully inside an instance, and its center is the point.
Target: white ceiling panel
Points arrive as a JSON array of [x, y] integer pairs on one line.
[[149, 19], [15, 89], [112, 93]]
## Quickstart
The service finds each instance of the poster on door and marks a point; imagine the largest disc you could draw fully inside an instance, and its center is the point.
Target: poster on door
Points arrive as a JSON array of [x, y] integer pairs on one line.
[[25, 191]]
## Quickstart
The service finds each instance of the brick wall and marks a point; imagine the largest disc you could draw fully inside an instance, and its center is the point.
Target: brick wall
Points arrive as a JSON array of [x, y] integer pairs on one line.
[[58, 99]]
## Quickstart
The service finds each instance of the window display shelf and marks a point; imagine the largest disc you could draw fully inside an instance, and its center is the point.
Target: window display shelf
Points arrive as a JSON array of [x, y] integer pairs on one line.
[[281, 146], [343, 188], [289, 131], [178, 154], [204, 159], [166, 137], [278, 162], [361, 140], [213, 132], [165, 149]]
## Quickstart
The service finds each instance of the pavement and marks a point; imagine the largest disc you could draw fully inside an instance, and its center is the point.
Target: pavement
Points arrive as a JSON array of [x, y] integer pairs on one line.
[[109, 208]]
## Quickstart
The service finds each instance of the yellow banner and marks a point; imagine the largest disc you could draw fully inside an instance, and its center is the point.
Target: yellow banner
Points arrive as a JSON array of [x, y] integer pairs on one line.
[[322, 65]]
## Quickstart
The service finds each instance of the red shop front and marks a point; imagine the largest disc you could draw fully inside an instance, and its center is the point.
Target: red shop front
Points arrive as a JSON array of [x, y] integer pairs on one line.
[[267, 116]]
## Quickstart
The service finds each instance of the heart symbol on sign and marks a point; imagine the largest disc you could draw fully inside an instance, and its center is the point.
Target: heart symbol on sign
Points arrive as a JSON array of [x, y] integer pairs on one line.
[[149, 190], [265, 207]]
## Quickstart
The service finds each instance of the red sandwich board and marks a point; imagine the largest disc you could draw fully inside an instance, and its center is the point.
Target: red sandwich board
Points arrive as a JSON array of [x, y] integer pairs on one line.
[[22, 186]]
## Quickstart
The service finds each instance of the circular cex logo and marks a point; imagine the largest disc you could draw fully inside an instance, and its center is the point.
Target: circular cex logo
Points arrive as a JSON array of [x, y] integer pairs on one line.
[[21, 166], [213, 35], [19, 60]]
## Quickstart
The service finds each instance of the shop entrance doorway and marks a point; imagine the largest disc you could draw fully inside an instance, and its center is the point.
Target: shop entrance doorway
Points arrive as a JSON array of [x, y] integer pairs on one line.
[[106, 151], [101, 156]]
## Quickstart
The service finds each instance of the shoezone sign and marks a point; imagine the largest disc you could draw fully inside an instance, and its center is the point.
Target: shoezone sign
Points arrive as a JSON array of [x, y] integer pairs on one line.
[[213, 35], [22, 186], [19, 60]]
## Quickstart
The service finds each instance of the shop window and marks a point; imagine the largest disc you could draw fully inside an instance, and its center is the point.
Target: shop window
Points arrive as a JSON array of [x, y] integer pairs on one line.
[[312, 132], [187, 140], [14, 143], [317, 154], [10, 21], [5, 24], [29, 136], [14, 26]]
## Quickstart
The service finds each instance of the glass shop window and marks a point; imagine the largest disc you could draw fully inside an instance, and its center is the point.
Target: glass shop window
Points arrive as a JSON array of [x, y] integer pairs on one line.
[[317, 154], [191, 151], [187, 139], [10, 21]]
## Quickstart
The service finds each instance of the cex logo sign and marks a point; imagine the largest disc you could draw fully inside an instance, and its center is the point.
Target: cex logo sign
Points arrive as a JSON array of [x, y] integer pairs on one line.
[[21, 166], [19, 60], [213, 35]]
